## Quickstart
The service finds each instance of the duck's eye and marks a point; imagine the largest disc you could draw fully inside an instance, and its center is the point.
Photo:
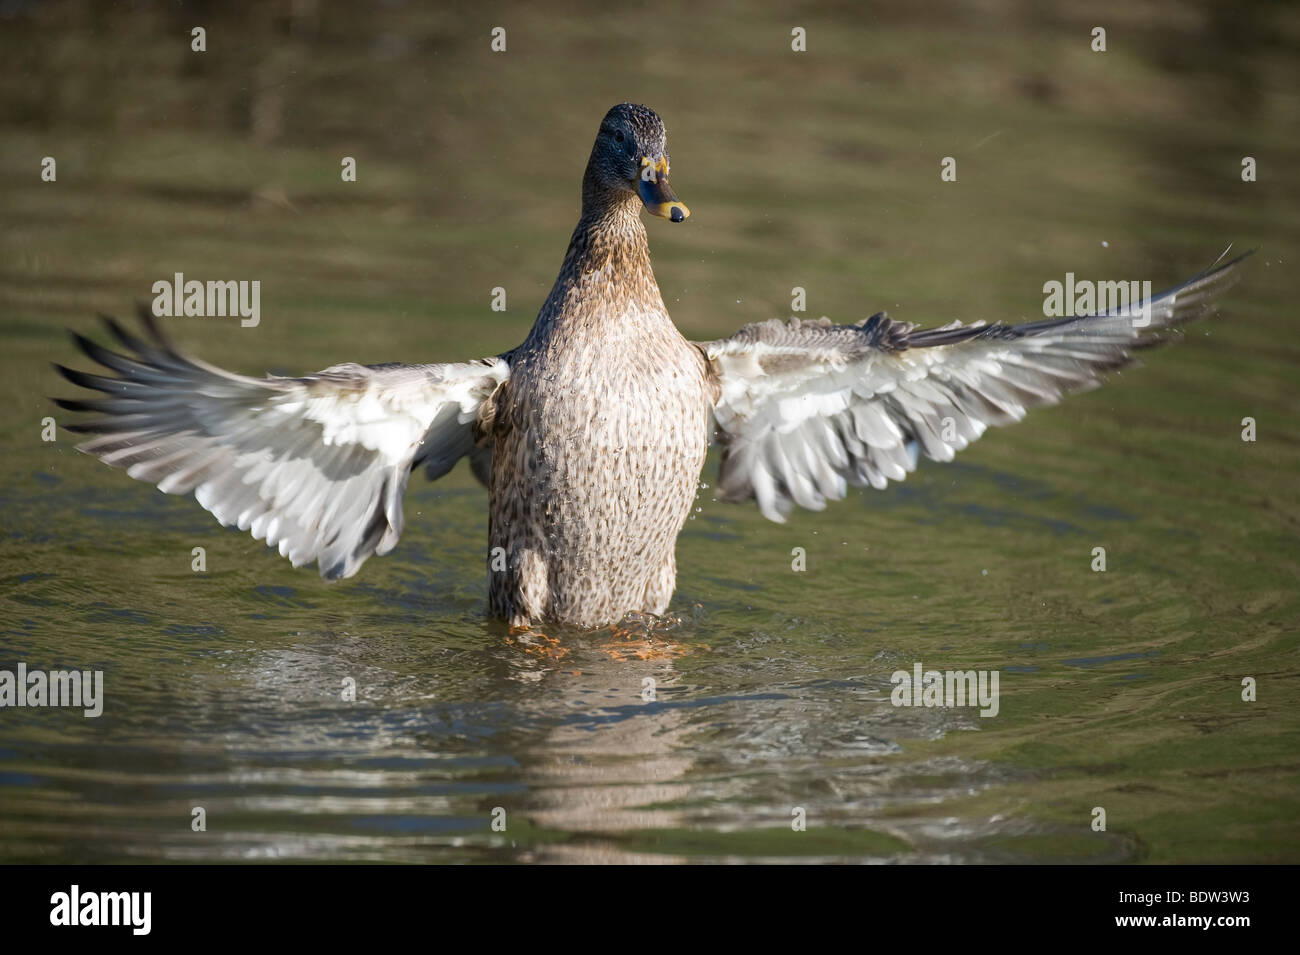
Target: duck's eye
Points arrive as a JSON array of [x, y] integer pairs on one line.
[[618, 136]]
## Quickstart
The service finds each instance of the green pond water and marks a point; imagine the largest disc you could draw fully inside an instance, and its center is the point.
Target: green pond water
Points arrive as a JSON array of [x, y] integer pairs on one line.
[[1119, 689]]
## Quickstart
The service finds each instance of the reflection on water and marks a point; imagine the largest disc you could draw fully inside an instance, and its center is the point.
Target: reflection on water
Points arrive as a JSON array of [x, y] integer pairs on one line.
[[589, 760], [225, 689]]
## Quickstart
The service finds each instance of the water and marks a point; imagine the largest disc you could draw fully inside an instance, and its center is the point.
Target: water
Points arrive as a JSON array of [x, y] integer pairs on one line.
[[1119, 689]]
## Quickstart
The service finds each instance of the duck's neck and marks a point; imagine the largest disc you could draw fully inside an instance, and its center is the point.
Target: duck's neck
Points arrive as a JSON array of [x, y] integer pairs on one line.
[[606, 281], [610, 228]]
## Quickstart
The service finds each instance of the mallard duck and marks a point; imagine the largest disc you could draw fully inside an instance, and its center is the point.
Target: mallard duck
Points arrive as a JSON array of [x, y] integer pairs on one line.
[[591, 435]]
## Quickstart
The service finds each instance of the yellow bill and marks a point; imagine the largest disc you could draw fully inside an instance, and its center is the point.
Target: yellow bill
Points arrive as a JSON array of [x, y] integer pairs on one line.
[[658, 196]]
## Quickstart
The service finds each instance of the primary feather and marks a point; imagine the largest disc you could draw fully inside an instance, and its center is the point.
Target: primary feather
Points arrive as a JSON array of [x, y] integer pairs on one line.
[[807, 408], [315, 466]]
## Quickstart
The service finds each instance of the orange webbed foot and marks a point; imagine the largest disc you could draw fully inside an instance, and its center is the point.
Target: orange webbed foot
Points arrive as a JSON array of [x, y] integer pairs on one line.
[[536, 643], [640, 636]]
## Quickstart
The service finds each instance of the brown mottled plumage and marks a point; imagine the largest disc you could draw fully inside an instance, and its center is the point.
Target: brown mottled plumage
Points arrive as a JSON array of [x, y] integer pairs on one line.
[[591, 435]]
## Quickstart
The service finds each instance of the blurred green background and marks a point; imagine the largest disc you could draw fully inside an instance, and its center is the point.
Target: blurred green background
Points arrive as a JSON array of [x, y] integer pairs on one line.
[[817, 169]]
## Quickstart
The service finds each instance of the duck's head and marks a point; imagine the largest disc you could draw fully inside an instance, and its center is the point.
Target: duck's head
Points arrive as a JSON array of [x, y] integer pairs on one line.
[[631, 156]]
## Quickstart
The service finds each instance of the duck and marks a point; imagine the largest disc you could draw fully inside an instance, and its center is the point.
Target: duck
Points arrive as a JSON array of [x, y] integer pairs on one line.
[[591, 435]]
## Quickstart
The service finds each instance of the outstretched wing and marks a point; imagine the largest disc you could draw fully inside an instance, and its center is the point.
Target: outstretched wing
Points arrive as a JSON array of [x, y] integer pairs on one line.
[[315, 466], [806, 408]]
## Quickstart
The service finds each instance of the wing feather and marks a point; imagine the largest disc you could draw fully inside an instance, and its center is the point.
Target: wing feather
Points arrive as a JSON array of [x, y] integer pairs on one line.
[[315, 466], [807, 408]]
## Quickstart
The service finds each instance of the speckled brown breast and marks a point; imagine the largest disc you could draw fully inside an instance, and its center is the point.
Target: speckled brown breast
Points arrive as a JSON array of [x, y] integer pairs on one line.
[[599, 443]]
